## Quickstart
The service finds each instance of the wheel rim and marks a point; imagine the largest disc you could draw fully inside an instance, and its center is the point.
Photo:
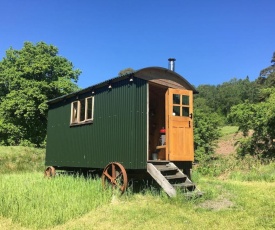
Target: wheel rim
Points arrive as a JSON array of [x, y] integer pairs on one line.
[[49, 172], [115, 175]]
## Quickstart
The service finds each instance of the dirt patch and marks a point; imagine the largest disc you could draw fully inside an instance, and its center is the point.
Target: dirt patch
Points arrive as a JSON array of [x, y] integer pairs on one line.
[[227, 145], [217, 205]]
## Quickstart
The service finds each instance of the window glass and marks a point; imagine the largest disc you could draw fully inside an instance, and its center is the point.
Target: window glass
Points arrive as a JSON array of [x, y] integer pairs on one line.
[[74, 112], [185, 100], [176, 110], [185, 111], [176, 99], [82, 110], [89, 110]]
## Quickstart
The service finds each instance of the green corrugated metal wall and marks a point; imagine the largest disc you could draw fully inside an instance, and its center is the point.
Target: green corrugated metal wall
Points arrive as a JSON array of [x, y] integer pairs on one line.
[[118, 133]]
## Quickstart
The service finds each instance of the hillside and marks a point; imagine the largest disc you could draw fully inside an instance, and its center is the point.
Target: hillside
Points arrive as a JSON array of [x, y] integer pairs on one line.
[[227, 143]]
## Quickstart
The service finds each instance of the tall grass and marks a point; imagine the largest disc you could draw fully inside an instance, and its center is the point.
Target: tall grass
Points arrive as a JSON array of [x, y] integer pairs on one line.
[[248, 168], [258, 172], [37, 202], [238, 194], [16, 159], [68, 202]]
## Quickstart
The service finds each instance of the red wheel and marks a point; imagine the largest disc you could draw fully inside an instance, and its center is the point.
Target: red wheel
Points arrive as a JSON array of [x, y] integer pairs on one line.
[[49, 172], [115, 174]]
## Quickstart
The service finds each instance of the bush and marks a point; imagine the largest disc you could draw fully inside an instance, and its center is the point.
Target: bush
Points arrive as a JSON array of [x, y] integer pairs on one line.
[[206, 133]]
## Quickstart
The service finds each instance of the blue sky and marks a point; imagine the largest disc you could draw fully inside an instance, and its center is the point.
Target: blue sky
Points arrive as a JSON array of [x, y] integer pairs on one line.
[[213, 41]]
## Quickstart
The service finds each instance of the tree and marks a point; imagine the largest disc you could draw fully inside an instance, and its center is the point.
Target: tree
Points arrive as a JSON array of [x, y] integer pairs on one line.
[[260, 119], [267, 75], [220, 98], [28, 79], [269, 70], [125, 71]]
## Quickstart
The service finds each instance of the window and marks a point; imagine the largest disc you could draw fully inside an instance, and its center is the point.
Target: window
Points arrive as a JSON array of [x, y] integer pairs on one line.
[[180, 105], [82, 111]]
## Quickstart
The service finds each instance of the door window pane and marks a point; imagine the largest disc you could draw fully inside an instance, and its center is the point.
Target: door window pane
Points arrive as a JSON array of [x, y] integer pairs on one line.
[[176, 110], [185, 100], [176, 99], [185, 111]]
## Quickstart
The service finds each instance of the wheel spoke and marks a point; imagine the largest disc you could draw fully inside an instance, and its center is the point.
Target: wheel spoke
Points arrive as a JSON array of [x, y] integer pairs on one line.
[[107, 175], [113, 171], [120, 187], [120, 173]]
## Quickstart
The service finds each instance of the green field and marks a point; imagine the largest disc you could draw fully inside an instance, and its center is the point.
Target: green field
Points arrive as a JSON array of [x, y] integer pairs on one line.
[[240, 195], [29, 201]]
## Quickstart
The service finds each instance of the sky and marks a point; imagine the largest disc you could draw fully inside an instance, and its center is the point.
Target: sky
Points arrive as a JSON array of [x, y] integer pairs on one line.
[[213, 41]]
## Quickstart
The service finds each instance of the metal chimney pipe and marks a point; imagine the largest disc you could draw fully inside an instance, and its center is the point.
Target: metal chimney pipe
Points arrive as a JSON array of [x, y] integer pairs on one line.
[[171, 64]]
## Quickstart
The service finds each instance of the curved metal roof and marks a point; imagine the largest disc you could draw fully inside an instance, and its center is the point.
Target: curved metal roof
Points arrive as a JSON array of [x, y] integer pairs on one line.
[[148, 73], [153, 73]]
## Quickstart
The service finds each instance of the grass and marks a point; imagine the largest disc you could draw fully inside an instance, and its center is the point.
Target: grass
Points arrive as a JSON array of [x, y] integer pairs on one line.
[[238, 194], [255, 173], [37, 202], [154, 212], [21, 159], [29, 201], [227, 130], [248, 168]]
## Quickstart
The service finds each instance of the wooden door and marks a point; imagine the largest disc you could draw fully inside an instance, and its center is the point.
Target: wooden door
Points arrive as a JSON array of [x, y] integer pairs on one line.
[[179, 125]]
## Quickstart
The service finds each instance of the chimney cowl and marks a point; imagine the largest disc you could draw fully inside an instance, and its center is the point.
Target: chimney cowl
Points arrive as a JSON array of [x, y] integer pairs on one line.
[[171, 64]]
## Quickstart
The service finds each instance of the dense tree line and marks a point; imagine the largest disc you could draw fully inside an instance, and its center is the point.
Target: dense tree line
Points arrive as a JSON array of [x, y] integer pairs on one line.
[[222, 97], [259, 118], [247, 104]]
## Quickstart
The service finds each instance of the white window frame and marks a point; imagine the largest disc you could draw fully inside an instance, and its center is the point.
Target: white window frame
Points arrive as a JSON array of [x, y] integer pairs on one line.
[[86, 109], [76, 111]]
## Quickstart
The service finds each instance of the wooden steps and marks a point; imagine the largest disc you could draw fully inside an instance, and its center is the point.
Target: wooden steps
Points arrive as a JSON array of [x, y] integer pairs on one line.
[[171, 178]]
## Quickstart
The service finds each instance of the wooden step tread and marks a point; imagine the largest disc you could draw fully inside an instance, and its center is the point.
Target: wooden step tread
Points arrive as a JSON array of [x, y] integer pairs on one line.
[[164, 168], [186, 184], [170, 177]]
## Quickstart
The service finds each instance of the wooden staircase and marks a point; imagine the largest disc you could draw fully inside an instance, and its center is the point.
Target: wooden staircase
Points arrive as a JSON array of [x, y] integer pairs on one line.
[[171, 178]]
